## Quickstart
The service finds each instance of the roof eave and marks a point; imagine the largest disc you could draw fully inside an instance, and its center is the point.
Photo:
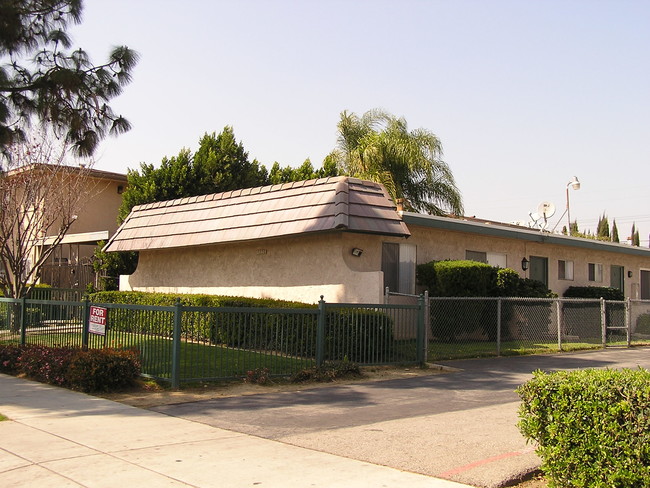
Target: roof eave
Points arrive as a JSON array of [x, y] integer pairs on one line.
[[458, 225]]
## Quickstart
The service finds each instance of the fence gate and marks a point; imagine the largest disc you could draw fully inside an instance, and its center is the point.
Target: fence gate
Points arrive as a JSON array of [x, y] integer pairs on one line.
[[616, 323]]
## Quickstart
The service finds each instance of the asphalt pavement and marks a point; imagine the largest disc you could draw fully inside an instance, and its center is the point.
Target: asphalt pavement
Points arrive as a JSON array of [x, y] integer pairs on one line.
[[459, 426], [426, 431]]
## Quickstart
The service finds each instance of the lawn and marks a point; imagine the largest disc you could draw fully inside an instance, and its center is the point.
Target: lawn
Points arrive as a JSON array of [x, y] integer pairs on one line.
[[198, 361], [462, 350]]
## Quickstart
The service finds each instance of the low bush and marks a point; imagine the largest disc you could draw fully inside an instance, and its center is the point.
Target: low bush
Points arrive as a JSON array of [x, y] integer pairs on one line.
[[465, 279], [9, 354], [598, 292], [103, 369], [592, 427], [85, 370], [45, 364]]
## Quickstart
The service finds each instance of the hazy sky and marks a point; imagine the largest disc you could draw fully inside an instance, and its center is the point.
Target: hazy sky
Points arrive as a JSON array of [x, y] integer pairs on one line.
[[523, 94]]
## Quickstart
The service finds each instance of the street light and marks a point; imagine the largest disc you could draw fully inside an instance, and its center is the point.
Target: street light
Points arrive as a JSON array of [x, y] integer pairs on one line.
[[575, 184]]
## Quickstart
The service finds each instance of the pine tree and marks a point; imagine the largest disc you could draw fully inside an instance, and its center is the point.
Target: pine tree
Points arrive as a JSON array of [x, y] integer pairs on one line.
[[42, 77]]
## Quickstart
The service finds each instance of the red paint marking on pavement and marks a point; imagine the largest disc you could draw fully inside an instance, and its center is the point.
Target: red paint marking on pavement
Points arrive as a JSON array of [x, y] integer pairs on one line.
[[476, 464]]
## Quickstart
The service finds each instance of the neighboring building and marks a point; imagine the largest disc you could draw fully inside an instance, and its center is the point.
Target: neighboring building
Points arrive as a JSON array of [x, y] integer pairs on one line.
[[70, 264], [343, 238]]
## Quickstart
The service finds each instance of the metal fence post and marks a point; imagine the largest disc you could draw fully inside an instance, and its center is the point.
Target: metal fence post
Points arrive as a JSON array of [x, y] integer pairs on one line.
[[559, 323], [176, 345], [23, 321], [628, 320], [603, 321], [84, 325], [420, 342], [499, 326], [320, 333], [427, 322]]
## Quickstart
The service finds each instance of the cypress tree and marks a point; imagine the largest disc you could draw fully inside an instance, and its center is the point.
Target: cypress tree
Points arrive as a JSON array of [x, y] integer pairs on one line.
[[615, 232], [603, 228]]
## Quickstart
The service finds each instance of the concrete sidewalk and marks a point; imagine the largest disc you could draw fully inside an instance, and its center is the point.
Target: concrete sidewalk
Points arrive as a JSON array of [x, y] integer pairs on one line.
[[61, 438]]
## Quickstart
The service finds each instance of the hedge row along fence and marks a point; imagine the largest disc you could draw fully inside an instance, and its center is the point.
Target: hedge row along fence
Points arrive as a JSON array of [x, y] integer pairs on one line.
[[354, 333], [200, 337]]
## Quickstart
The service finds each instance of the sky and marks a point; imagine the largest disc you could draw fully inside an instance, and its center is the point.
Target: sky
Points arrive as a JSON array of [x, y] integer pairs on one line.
[[523, 94]]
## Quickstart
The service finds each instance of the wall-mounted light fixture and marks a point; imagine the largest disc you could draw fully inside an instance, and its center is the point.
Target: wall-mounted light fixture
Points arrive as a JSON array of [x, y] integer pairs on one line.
[[629, 274], [357, 252], [524, 264]]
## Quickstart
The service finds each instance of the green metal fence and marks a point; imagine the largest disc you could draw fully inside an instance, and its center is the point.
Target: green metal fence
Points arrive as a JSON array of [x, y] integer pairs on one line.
[[183, 344]]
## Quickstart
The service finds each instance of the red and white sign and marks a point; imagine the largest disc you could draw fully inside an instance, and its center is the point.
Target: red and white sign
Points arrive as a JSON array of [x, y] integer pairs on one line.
[[98, 320]]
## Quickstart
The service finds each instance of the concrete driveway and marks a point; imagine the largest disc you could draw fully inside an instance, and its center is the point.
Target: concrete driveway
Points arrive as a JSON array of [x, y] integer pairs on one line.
[[459, 426]]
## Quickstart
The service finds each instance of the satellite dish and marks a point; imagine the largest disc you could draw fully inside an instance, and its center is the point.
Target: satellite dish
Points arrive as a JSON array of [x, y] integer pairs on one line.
[[546, 210]]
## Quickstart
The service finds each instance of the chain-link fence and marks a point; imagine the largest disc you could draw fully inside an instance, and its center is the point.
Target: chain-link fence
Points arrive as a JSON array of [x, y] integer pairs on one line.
[[472, 327], [490, 326]]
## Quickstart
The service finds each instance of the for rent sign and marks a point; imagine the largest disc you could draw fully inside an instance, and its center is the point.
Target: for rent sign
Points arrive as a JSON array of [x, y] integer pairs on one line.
[[98, 320]]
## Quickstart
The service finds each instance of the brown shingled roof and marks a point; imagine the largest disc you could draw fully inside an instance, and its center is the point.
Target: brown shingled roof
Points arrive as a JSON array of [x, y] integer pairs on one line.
[[327, 204]]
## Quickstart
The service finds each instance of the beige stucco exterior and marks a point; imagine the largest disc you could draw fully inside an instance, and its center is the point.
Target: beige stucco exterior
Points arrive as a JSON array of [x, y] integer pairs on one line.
[[304, 267], [439, 244], [96, 217], [300, 268]]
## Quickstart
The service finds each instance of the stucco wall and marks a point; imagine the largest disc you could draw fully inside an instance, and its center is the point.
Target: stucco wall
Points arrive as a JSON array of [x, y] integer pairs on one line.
[[296, 268], [435, 244], [305, 267], [100, 208]]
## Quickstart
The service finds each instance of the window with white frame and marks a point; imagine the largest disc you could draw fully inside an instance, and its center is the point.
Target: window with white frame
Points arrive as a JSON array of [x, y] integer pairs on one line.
[[398, 264], [564, 270], [492, 258], [596, 272]]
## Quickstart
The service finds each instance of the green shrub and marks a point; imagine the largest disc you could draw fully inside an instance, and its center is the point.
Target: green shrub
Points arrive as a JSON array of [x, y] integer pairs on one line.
[[474, 279], [85, 370], [103, 369], [605, 292], [592, 426], [364, 336], [457, 278], [203, 326]]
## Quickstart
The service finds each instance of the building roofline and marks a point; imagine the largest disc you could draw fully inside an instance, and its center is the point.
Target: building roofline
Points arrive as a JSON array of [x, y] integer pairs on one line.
[[91, 172], [495, 229]]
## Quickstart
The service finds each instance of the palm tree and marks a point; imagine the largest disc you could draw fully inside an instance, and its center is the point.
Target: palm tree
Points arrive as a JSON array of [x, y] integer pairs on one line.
[[379, 147]]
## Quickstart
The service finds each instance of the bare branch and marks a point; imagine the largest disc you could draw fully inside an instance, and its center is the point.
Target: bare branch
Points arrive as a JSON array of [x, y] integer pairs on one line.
[[40, 197]]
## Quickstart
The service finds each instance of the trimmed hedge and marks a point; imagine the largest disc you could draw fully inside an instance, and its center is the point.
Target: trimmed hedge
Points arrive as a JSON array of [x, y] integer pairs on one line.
[[474, 279], [78, 369], [592, 426], [465, 278], [203, 326], [362, 336], [596, 292]]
